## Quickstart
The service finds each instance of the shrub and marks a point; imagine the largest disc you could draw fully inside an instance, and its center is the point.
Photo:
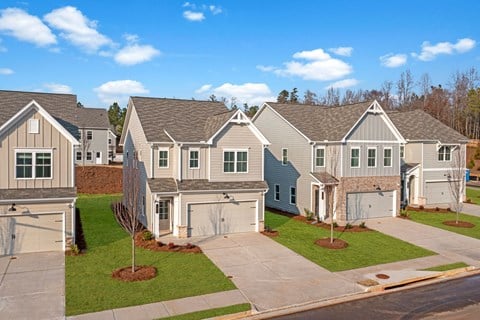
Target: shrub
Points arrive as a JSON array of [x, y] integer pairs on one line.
[[268, 229], [171, 245], [348, 226], [471, 164], [404, 213], [147, 235], [421, 207], [335, 224], [309, 214], [437, 209], [74, 249], [362, 224]]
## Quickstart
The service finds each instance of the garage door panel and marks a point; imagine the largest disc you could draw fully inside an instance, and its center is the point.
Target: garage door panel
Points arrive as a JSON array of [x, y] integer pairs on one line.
[[31, 233], [365, 205], [438, 193], [221, 218]]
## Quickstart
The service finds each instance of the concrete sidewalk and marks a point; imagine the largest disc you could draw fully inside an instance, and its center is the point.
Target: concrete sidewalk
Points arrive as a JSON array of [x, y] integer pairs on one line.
[[168, 308], [471, 209]]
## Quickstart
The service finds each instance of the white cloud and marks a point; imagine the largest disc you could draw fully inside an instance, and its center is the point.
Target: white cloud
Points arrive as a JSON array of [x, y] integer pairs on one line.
[[25, 27], [193, 16], [57, 88], [215, 9], [119, 91], [6, 71], [345, 83], [187, 4], [342, 51], [430, 52], [77, 28], [135, 54], [251, 93], [203, 88], [317, 54], [265, 68], [391, 60]]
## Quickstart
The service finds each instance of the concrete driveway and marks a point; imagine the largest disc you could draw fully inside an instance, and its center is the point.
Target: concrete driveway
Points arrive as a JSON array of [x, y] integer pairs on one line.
[[446, 243], [271, 275], [32, 286], [471, 209]]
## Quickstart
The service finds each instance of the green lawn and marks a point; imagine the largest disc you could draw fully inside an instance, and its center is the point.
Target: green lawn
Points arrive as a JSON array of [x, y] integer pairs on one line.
[[365, 248], [90, 287], [212, 312], [474, 195], [446, 267], [436, 220]]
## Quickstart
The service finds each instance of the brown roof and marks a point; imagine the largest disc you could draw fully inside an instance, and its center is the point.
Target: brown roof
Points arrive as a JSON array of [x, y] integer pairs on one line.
[[186, 185], [419, 125], [324, 177], [92, 118], [322, 123], [162, 185], [408, 166], [60, 106], [184, 120], [30, 193]]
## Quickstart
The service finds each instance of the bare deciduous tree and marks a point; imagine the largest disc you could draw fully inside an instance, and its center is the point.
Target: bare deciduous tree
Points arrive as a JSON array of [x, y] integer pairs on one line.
[[84, 145], [456, 180]]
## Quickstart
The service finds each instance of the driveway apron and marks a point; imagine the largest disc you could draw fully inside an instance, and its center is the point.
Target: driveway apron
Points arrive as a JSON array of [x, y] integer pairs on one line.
[[271, 275], [446, 243], [32, 286]]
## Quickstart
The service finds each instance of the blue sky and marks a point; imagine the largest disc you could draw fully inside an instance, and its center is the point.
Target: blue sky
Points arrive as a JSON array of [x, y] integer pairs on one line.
[[104, 51]]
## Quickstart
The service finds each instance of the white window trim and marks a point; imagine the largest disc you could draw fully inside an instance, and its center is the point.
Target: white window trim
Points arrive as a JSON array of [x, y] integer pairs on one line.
[[368, 157], [391, 157], [33, 126], [91, 135], [324, 157], [290, 197], [450, 152], [198, 159], [235, 160], [76, 156], [286, 163], [91, 156], [34, 152], [168, 158], [359, 157], [275, 186]]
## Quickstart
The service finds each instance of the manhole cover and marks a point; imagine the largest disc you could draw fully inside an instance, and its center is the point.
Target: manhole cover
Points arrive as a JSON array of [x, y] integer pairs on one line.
[[382, 276]]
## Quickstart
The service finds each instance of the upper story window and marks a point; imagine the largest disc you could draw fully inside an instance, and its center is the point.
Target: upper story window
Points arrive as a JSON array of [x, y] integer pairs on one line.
[[193, 159], [163, 158], [79, 156], [320, 157], [33, 164], [89, 135], [284, 156], [372, 157], [89, 156], [402, 152], [276, 195], [235, 161], [355, 157], [33, 126], [387, 157], [445, 153]]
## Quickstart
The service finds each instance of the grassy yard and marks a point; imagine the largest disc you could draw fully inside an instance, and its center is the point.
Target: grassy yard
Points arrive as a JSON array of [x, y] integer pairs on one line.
[[90, 287], [474, 195], [437, 219], [446, 267], [212, 312], [365, 248]]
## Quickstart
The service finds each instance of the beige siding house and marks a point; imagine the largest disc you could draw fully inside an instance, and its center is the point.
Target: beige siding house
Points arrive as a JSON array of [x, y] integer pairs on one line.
[[38, 135], [201, 166]]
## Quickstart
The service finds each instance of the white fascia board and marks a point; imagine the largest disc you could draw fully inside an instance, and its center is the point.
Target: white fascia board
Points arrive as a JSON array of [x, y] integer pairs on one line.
[[126, 122]]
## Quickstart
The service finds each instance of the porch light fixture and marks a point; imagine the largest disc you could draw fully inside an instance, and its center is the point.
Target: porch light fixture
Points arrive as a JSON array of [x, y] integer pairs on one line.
[[225, 196], [12, 207]]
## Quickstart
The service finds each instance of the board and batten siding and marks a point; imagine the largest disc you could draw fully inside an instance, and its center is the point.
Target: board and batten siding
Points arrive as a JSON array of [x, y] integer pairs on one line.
[[372, 127], [202, 171], [364, 170], [236, 137], [296, 173], [48, 138]]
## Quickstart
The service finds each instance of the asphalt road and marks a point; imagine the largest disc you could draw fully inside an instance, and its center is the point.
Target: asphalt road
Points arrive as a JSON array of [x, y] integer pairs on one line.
[[448, 299]]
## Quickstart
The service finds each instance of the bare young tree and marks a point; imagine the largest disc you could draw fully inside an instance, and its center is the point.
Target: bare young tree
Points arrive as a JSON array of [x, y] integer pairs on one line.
[[84, 145], [127, 211], [334, 154], [456, 180]]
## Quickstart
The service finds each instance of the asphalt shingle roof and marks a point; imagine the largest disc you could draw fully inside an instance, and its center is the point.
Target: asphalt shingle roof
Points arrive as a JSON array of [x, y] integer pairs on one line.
[[36, 193], [162, 185], [172, 185], [325, 178], [322, 123], [184, 120], [92, 118], [419, 125]]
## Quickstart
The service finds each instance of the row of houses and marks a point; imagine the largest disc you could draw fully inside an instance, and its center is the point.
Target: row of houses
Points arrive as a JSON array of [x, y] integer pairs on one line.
[[207, 170]]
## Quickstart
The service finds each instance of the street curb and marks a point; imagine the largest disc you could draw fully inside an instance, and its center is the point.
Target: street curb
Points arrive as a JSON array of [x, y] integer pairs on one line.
[[448, 275]]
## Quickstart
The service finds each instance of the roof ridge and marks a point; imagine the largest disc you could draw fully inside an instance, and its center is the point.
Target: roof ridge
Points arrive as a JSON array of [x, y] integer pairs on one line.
[[37, 92], [176, 99]]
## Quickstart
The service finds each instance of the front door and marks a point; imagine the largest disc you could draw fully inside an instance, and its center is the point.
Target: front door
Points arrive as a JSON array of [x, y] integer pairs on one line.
[[98, 157], [163, 212]]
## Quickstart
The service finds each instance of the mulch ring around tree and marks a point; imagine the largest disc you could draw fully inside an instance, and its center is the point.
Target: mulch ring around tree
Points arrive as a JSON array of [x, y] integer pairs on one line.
[[351, 228], [460, 224], [141, 273], [155, 245], [270, 233], [336, 244]]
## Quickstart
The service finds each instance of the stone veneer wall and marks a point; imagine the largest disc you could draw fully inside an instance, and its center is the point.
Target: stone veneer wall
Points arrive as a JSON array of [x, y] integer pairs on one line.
[[363, 184]]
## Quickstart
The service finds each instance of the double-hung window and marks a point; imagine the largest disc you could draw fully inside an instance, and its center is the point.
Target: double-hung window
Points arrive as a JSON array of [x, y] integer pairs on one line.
[[235, 161], [276, 195], [33, 164], [89, 135], [284, 156], [79, 156], [355, 157], [445, 153], [371, 157], [387, 157], [320, 157], [163, 158], [193, 161], [293, 195]]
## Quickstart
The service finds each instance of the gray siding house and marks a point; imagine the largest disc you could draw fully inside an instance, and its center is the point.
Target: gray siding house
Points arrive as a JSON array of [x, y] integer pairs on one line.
[[38, 135], [95, 134], [201, 166]]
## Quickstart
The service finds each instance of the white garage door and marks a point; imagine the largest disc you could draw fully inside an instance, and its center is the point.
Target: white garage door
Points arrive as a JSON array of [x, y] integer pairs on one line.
[[365, 205], [31, 233], [221, 218], [437, 193]]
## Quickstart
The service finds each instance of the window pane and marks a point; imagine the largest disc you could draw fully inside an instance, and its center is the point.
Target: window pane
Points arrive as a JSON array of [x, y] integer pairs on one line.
[[228, 167], [229, 161], [284, 156], [355, 158], [320, 159], [372, 153], [163, 158], [387, 157], [242, 161], [242, 156]]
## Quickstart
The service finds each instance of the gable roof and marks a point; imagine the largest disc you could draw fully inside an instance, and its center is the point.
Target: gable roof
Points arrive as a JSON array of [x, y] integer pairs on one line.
[[417, 125], [92, 118], [321, 123], [164, 120], [62, 107]]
